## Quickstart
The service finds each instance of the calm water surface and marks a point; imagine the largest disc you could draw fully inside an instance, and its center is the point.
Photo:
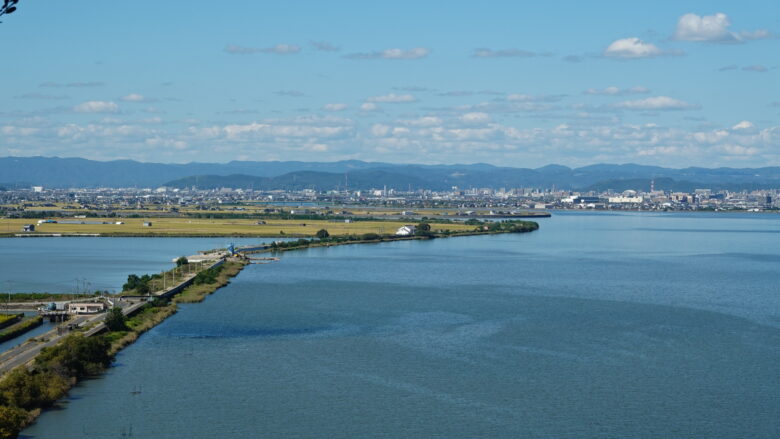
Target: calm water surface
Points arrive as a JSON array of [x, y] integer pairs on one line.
[[597, 325], [63, 265]]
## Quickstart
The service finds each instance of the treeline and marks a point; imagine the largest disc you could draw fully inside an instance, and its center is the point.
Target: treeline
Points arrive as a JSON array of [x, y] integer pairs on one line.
[[24, 392], [25, 297]]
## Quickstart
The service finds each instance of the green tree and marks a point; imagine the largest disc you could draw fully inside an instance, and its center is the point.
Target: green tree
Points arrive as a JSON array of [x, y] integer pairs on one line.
[[424, 227], [12, 420], [132, 282], [182, 261], [116, 319], [322, 234]]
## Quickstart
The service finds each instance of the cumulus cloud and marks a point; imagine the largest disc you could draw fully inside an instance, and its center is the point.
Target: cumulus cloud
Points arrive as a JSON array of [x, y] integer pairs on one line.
[[393, 98], [324, 46], [474, 118], [369, 106], [414, 53], [713, 29], [634, 48], [655, 103], [744, 125], [484, 52], [335, 107], [616, 91], [279, 49], [96, 107]]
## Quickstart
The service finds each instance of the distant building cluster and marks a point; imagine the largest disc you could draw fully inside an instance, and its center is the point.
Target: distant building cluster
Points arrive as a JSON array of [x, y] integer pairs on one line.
[[83, 204]]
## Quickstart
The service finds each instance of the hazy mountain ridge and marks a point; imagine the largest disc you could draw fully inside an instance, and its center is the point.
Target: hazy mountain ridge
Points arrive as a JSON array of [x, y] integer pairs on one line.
[[355, 174]]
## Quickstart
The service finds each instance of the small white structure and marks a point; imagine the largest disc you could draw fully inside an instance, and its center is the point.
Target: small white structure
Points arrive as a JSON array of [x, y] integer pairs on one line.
[[406, 230], [86, 307]]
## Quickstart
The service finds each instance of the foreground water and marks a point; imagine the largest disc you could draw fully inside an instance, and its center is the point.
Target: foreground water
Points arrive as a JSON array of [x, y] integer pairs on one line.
[[609, 325]]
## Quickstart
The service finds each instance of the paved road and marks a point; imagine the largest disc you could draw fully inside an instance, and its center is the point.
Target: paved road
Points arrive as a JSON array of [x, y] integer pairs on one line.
[[28, 351]]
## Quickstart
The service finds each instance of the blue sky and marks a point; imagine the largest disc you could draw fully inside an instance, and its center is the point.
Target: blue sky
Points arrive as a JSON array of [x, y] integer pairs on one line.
[[683, 83]]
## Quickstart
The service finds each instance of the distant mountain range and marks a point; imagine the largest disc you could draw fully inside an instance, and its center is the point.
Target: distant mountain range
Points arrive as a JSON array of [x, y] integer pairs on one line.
[[355, 174]]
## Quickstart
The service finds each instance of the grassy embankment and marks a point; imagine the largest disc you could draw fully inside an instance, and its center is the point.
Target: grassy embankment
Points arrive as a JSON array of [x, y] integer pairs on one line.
[[9, 319], [20, 328]]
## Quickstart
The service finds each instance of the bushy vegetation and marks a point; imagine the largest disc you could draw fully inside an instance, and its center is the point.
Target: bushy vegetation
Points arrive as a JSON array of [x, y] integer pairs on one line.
[[24, 390], [508, 226], [139, 284], [116, 320], [207, 276]]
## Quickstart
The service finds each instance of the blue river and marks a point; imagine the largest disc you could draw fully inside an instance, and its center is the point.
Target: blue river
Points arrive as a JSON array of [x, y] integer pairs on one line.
[[597, 325]]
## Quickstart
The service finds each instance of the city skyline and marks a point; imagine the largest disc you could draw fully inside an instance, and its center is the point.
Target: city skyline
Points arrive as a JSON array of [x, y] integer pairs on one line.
[[671, 84]]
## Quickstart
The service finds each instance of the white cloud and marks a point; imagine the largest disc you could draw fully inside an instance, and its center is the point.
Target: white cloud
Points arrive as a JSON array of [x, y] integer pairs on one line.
[[484, 52], [414, 53], [335, 107], [369, 106], [474, 117], [270, 130], [134, 97], [392, 98], [96, 107], [519, 97], [738, 150], [425, 121], [279, 49], [634, 48], [655, 103], [744, 125], [713, 29], [379, 130], [615, 91]]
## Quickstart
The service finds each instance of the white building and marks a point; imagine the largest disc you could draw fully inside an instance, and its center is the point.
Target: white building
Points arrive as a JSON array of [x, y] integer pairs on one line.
[[406, 230], [86, 308]]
